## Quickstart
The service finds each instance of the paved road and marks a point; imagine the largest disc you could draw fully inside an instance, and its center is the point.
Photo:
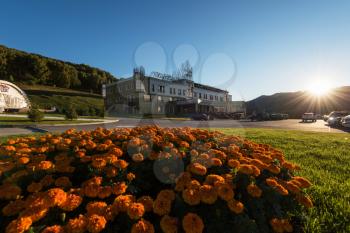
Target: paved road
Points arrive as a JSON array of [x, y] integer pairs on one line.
[[291, 124]]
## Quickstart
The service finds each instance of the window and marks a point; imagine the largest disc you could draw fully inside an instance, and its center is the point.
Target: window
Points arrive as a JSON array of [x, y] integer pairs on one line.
[[205, 96], [195, 94], [216, 97], [200, 95], [221, 98], [171, 90], [152, 87], [211, 97], [183, 92], [179, 92]]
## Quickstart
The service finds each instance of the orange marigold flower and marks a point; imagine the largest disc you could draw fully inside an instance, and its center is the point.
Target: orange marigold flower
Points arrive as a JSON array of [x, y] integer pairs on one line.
[[208, 194], [97, 207], [281, 190], [23, 160], [111, 172], [13, 208], [161, 206], [77, 225], [168, 224], [147, 202], [235, 206], [138, 157], [225, 192], [276, 225], [304, 200], [54, 229], [44, 165], [273, 169], [254, 190], [216, 162], [130, 176], [122, 202], [122, 164], [304, 183], [191, 196], [213, 179], [136, 210], [56, 196], [233, 163], [47, 180], [91, 190], [19, 225], [198, 169], [142, 226], [286, 225], [72, 202], [63, 182], [166, 194], [98, 162], [34, 187], [182, 181], [116, 151], [96, 223], [271, 182], [292, 187], [104, 191], [192, 223], [119, 188], [246, 169], [9, 191]]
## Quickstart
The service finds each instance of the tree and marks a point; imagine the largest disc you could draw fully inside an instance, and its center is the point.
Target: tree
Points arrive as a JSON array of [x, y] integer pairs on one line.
[[34, 114], [70, 113]]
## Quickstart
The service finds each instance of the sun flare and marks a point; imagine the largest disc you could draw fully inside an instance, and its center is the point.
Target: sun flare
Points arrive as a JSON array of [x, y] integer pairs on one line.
[[319, 88]]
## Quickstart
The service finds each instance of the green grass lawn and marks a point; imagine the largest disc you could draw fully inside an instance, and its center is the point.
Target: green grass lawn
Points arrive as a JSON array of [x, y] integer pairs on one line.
[[325, 160], [26, 121]]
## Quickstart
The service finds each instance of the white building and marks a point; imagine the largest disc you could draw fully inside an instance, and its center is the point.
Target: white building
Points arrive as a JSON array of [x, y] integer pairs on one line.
[[142, 94], [12, 98]]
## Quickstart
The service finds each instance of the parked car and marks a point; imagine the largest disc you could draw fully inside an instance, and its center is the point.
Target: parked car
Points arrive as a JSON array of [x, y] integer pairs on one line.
[[334, 119], [309, 116], [345, 121], [201, 117], [259, 117]]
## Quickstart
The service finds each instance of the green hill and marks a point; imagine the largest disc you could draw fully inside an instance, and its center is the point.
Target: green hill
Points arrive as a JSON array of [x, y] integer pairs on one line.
[[46, 97], [296, 103], [33, 69]]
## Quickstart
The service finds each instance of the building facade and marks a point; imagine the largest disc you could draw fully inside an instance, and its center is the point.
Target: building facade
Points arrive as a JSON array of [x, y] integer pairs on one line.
[[12, 98], [142, 94]]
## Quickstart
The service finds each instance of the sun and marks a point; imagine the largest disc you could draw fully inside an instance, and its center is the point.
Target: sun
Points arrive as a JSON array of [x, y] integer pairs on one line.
[[319, 88]]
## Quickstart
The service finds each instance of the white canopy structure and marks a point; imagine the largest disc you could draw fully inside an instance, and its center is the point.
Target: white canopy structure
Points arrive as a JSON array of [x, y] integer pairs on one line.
[[12, 97]]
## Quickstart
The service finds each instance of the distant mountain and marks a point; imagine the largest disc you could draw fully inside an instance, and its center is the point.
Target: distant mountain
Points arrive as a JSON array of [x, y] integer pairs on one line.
[[297, 103], [33, 69]]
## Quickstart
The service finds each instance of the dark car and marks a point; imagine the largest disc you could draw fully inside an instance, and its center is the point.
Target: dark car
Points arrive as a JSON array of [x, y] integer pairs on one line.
[[259, 117], [201, 117]]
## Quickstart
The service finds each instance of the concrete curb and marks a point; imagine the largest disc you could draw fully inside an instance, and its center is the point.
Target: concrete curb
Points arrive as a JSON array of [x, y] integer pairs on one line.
[[37, 126], [79, 124]]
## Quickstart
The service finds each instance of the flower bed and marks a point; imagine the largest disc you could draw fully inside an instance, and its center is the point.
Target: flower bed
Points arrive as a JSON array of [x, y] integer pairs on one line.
[[147, 179]]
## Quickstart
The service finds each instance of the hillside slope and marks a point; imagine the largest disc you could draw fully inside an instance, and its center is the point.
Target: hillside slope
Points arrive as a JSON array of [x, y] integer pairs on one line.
[[46, 97], [296, 103], [33, 69]]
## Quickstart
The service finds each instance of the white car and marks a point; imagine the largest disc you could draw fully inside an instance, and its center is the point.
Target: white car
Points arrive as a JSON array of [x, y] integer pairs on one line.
[[309, 116], [345, 121]]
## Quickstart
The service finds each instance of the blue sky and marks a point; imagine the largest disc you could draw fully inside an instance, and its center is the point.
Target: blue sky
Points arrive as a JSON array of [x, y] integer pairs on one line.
[[248, 47]]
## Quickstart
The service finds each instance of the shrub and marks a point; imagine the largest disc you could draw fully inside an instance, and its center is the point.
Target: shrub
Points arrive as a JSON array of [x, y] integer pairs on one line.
[[70, 113], [34, 114], [148, 179]]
